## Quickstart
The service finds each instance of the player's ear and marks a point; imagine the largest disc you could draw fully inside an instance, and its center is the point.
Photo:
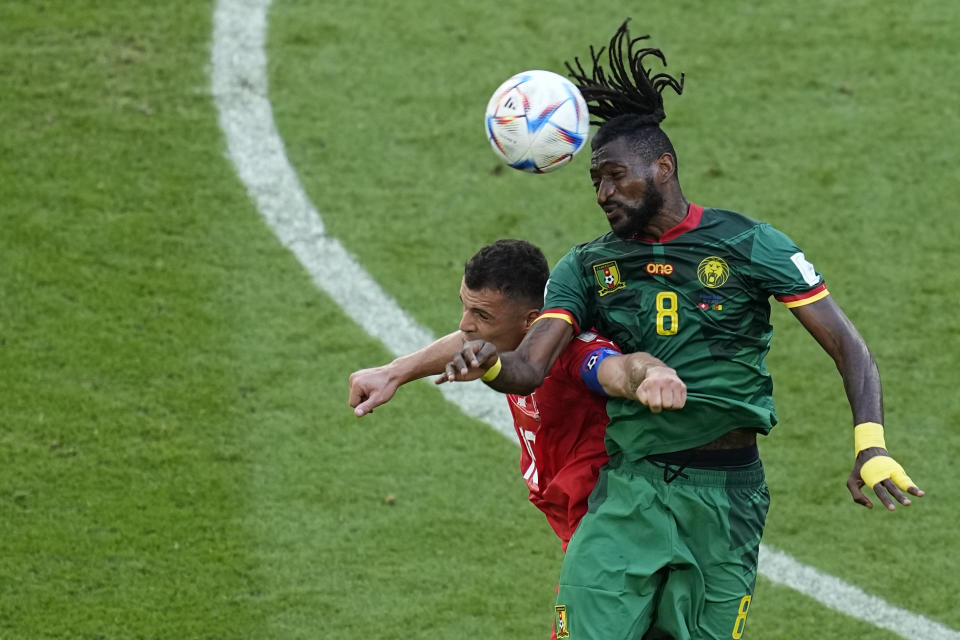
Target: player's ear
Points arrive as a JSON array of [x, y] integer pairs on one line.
[[666, 167], [529, 317]]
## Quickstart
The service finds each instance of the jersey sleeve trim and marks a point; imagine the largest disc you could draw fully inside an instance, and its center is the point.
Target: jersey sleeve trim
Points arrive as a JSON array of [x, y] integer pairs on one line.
[[817, 293], [560, 314]]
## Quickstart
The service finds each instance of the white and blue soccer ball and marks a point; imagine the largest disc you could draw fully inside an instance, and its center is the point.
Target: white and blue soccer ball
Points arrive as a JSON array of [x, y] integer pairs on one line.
[[537, 121]]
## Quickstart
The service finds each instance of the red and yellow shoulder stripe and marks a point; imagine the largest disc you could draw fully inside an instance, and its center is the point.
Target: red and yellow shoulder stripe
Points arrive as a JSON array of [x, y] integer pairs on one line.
[[560, 314], [817, 293]]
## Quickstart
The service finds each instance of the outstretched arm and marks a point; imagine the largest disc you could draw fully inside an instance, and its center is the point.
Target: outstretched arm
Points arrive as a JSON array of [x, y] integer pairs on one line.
[[520, 371], [370, 388], [861, 380], [641, 377]]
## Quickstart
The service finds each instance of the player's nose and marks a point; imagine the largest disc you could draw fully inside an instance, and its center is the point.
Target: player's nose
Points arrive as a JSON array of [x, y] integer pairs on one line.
[[467, 325], [604, 189]]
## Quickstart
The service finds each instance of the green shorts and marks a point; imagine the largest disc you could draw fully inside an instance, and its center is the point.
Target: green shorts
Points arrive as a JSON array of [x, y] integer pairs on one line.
[[664, 555]]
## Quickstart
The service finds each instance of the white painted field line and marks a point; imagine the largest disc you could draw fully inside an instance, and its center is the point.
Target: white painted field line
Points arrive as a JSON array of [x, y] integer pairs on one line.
[[836, 594], [254, 146]]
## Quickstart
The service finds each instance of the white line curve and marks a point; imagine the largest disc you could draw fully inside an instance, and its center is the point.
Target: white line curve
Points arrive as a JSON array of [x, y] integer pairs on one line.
[[257, 151], [239, 84]]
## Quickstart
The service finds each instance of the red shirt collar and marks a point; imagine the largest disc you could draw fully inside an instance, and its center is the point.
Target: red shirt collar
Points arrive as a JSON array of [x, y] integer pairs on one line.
[[689, 222]]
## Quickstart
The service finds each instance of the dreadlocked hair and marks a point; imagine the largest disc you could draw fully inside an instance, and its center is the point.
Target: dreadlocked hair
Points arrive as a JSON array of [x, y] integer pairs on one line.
[[627, 100], [630, 88]]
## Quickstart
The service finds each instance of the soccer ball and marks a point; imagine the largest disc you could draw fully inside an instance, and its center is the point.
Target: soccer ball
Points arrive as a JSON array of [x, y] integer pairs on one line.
[[537, 121]]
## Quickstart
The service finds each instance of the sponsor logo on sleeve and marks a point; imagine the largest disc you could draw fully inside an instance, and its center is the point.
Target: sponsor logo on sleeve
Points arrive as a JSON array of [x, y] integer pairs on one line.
[[805, 268]]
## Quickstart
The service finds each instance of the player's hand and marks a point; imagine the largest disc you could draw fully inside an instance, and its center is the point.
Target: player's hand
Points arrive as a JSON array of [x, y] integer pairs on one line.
[[662, 389], [370, 388], [470, 363], [886, 477]]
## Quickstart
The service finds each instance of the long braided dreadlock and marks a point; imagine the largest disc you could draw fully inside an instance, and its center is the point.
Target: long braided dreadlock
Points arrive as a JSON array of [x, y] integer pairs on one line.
[[627, 100]]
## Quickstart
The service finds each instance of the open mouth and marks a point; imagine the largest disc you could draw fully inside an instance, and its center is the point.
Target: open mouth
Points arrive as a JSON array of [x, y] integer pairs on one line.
[[615, 215]]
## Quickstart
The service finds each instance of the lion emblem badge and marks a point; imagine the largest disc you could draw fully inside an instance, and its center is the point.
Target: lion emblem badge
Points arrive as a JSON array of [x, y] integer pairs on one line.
[[713, 272]]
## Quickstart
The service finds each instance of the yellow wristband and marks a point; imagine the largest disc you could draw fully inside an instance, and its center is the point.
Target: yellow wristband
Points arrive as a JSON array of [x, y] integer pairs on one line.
[[493, 371], [866, 435]]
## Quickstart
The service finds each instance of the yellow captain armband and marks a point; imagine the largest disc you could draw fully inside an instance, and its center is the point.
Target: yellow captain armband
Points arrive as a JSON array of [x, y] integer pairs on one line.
[[866, 435], [493, 371]]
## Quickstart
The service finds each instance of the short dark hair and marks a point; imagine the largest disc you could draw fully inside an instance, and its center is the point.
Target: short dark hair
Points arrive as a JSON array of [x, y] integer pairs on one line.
[[627, 99], [515, 268]]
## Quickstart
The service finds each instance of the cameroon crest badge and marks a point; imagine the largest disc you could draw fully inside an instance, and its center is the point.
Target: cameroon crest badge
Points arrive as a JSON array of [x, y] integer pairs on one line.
[[560, 624], [608, 277]]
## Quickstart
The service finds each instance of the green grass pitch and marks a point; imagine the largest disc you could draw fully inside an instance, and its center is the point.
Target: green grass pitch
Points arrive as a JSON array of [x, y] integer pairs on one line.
[[177, 458]]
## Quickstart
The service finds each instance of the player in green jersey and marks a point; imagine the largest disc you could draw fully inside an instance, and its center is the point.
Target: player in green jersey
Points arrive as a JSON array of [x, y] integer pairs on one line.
[[669, 546]]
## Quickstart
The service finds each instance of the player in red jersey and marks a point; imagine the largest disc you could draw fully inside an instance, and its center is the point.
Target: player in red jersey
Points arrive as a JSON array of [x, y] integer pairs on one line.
[[560, 425]]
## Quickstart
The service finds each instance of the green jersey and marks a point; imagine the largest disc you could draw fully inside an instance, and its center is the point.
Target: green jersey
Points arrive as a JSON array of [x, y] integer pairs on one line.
[[698, 299]]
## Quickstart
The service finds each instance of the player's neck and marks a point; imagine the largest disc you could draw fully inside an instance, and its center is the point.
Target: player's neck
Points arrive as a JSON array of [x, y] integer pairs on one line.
[[672, 213]]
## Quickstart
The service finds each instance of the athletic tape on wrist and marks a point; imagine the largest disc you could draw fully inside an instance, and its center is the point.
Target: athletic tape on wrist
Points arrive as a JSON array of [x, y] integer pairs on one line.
[[879, 468], [866, 435], [493, 371]]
